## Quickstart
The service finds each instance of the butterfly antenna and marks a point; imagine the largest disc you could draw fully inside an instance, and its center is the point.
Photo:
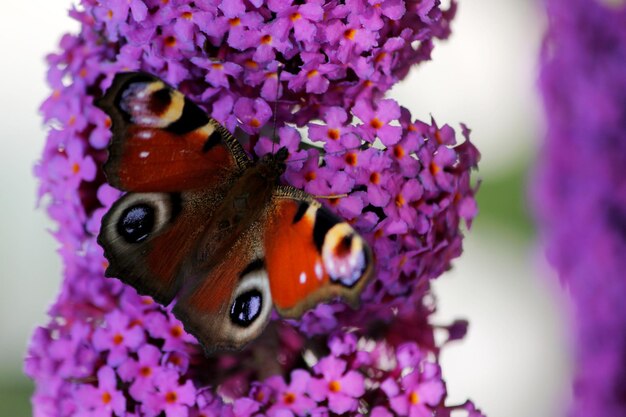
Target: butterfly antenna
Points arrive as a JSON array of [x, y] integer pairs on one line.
[[330, 197], [279, 70]]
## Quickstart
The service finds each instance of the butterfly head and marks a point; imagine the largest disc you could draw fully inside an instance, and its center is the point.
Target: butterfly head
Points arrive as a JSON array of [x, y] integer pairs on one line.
[[274, 163]]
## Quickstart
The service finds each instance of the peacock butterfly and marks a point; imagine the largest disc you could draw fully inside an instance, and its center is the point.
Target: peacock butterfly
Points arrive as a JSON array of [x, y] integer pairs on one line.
[[202, 223]]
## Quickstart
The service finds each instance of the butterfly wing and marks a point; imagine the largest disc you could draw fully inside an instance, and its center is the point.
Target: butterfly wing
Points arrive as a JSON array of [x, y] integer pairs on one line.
[[230, 304], [178, 163], [162, 141], [296, 255], [147, 239], [311, 255]]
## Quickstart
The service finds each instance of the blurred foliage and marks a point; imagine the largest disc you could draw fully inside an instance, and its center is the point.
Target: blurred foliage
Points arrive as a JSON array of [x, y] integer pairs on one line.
[[503, 201], [15, 392]]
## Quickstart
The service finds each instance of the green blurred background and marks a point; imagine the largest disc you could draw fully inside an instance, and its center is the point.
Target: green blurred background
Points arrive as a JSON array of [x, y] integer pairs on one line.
[[514, 361]]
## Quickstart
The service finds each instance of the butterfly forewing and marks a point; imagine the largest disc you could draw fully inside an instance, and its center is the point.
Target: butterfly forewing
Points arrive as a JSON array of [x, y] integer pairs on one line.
[[311, 254], [162, 141]]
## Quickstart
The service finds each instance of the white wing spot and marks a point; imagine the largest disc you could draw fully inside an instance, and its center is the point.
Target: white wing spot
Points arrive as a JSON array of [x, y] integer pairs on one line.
[[144, 154], [302, 277], [319, 271]]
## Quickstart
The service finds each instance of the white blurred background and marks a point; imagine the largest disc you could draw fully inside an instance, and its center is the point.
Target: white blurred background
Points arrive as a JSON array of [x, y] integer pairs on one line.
[[515, 360]]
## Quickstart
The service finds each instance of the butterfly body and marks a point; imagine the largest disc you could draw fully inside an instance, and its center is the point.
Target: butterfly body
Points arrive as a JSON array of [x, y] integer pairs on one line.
[[206, 226]]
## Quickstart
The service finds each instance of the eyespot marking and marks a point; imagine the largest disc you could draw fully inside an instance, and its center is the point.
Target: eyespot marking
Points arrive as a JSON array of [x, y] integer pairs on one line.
[[256, 265], [302, 208], [214, 139], [191, 118], [160, 101], [136, 223], [324, 221], [246, 308], [344, 246]]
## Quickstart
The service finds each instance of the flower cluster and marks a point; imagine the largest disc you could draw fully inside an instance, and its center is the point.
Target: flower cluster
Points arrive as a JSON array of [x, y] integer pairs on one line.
[[144, 364], [579, 189], [317, 69]]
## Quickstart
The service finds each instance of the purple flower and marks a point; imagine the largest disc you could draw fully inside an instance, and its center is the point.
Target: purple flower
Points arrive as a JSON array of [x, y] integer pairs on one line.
[[105, 400], [376, 121], [342, 389], [253, 114], [118, 337], [170, 330], [141, 372], [579, 185], [293, 397], [417, 394], [170, 397]]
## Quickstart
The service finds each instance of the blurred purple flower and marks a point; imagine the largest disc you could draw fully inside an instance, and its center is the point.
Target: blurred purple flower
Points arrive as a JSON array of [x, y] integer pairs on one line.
[[579, 190]]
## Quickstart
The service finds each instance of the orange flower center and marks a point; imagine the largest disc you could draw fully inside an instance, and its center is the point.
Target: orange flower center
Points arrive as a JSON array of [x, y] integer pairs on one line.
[[375, 178], [255, 122], [75, 168], [187, 15], [400, 200], [295, 16], [266, 39], [108, 122], [375, 123], [368, 83], [110, 14], [217, 66], [118, 339], [289, 398], [145, 371], [334, 386], [170, 41], [349, 34], [312, 73], [414, 398], [351, 159], [333, 134], [251, 64], [310, 176], [106, 397], [175, 360], [398, 151], [434, 168], [176, 331], [235, 21], [171, 397], [380, 57]]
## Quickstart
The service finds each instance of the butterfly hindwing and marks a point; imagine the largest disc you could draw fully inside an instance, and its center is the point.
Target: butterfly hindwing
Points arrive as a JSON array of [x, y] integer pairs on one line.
[[229, 305], [148, 238], [311, 255], [162, 141]]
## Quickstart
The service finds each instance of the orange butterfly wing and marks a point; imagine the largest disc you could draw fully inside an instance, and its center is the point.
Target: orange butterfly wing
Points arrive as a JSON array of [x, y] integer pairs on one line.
[[311, 255], [162, 141]]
